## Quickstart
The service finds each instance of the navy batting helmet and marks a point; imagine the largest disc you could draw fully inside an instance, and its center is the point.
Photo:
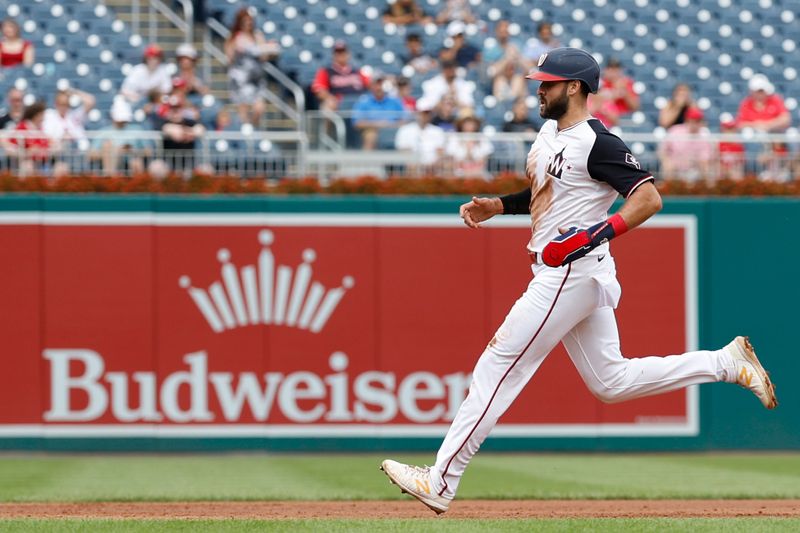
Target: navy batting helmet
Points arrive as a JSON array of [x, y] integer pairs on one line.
[[563, 64]]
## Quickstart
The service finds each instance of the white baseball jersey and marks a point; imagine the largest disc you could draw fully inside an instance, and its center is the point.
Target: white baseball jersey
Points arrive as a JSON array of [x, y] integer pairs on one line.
[[576, 174]]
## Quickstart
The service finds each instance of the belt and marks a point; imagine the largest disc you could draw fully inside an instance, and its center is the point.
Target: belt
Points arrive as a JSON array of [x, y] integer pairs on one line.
[[534, 257]]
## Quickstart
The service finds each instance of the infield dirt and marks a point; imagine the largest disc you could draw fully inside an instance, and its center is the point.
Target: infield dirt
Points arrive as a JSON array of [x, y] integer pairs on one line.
[[470, 509]]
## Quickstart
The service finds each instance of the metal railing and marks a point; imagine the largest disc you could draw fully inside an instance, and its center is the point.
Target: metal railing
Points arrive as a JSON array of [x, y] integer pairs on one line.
[[327, 130], [774, 157], [288, 154], [127, 152], [292, 112], [152, 9], [185, 24]]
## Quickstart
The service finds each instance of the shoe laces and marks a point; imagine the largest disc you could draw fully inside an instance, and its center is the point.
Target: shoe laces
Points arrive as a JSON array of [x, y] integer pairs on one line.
[[422, 470]]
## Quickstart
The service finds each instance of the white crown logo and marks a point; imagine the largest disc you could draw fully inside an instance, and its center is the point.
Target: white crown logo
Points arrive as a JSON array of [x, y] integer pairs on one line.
[[264, 294]]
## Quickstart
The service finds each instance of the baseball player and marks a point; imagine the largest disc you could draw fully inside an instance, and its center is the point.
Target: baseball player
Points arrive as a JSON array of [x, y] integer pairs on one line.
[[576, 170]]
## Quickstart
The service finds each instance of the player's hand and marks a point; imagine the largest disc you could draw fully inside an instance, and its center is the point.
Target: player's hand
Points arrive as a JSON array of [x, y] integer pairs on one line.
[[480, 209], [572, 244]]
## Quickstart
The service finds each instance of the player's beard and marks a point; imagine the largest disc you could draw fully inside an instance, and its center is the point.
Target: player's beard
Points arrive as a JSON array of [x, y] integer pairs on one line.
[[556, 108]]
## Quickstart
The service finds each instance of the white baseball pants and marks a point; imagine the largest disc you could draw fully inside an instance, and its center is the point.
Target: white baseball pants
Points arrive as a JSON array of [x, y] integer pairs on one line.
[[575, 305]]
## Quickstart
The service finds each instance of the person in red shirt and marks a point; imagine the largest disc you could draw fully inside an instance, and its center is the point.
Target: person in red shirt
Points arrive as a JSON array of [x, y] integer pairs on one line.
[[762, 109], [332, 83], [32, 147], [404, 92], [615, 98], [14, 50], [731, 153]]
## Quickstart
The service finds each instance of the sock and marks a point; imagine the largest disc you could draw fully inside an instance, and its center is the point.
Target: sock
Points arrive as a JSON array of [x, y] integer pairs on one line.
[[726, 369]]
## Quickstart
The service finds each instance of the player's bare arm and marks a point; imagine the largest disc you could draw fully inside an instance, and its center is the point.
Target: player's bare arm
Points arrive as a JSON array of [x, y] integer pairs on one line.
[[574, 243], [479, 210], [643, 203]]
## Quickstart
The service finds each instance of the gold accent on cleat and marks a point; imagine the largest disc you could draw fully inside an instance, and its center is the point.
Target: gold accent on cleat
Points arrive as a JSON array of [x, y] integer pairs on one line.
[[745, 378]]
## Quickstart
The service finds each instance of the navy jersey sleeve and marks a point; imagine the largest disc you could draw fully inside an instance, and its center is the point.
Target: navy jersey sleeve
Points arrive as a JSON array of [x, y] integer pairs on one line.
[[611, 161]]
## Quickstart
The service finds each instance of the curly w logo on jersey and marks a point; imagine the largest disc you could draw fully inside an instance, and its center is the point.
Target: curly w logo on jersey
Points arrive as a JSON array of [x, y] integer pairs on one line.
[[556, 166]]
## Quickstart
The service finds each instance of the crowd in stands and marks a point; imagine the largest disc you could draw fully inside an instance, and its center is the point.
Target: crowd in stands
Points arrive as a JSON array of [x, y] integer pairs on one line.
[[440, 91]]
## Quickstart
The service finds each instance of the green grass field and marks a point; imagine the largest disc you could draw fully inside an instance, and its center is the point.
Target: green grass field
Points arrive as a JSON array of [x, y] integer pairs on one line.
[[356, 477], [86, 478]]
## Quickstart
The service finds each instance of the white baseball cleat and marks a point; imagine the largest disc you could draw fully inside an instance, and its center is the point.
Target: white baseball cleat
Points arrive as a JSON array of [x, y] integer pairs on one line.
[[416, 481], [749, 373]]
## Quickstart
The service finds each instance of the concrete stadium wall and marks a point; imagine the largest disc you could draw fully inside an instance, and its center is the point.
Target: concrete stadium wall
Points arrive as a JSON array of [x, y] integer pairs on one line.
[[742, 255]]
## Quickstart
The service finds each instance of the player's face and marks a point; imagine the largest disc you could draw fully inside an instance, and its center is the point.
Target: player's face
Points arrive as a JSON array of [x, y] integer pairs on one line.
[[553, 99]]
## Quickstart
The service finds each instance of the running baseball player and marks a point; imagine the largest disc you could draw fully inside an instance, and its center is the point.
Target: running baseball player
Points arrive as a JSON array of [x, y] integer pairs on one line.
[[576, 170]]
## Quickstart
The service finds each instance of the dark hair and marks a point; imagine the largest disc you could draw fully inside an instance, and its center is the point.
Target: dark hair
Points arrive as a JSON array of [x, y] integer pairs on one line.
[[33, 110], [413, 37], [585, 89], [238, 21], [154, 96], [449, 64], [542, 25]]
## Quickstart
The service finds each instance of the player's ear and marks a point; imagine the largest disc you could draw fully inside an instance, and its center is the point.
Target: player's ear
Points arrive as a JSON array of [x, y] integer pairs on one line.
[[574, 87]]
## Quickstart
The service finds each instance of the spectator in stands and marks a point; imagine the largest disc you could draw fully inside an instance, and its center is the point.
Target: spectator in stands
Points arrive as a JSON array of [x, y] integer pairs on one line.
[[246, 49], [405, 12], [225, 122], [762, 109], [509, 84], [179, 123], [501, 50], [449, 82], [341, 78], [116, 151], [456, 10], [404, 92], [15, 107], [376, 111], [14, 50], [422, 138], [687, 152], [541, 44], [775, 162], [469, 152], [186, 58], [731, 153], [178, 100], [151, 74], [155, 99], [616, 97], [64, 124], [521, 120], [460, 51], [675, 110], [33, 149], [446, 113], [416, 57]]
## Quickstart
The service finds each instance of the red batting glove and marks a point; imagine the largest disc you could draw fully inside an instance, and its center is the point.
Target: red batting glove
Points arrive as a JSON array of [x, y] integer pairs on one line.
[[576, 243], [567, 247]]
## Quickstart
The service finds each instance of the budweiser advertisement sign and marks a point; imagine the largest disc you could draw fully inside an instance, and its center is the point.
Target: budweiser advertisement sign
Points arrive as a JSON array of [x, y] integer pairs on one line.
[[206, 325]]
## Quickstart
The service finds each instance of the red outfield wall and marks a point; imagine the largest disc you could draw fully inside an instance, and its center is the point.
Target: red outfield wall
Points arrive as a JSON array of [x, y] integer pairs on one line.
[[325, 325]]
